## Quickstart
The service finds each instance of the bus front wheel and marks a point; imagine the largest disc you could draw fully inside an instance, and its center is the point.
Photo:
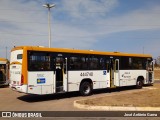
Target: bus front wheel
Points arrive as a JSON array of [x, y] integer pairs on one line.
[[85, 89]]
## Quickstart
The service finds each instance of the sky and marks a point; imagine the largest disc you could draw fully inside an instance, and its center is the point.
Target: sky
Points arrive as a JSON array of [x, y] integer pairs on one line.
[[131, 26]]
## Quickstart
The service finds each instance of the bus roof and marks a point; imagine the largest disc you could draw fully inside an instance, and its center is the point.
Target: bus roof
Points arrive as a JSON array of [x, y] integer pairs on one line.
[[67, 50], [3, 59]]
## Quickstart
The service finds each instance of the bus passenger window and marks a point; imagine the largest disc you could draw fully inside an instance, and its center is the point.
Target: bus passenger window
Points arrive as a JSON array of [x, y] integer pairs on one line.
[[39, 62], [93, 63], [102, 64]]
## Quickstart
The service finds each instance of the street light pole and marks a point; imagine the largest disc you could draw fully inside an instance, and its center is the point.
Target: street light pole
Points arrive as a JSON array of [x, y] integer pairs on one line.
[[49, 6]]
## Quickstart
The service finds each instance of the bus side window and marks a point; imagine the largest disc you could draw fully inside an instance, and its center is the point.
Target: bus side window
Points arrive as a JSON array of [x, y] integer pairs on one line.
[[39, 61], [102, 64], [108, 65], [19, 56]]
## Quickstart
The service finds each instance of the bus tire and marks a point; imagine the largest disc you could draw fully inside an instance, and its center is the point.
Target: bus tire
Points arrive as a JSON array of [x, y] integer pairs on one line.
[[139, 84], [85, 89]]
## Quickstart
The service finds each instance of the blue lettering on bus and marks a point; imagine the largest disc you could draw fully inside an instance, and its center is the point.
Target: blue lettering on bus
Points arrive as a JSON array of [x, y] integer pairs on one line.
[[104, 72]]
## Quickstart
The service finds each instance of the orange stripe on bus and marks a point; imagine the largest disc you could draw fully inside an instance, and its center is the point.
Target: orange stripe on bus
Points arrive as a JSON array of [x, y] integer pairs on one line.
[[16, 63]]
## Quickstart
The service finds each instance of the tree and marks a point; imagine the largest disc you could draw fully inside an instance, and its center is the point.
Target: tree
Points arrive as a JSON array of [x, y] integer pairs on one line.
[[157, 62]]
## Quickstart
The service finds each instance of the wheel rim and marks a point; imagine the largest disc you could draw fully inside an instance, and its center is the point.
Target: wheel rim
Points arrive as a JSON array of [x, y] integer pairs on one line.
[[139, 83], [86, 89]]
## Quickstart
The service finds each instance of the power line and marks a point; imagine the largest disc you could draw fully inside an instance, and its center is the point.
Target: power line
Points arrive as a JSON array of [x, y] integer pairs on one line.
[[112, 25], [23, 34], [82, 36], [58, 9], [22, 10], [22, 22]]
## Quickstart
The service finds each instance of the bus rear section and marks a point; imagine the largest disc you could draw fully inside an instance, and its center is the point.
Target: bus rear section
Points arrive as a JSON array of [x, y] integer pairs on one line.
[[16, 76], [3, 72]]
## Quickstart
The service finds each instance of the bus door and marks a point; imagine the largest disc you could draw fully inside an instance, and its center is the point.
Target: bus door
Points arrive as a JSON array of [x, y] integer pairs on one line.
[[114, 72], [3, 74], [150, 69], [111, 69], [60, 74]]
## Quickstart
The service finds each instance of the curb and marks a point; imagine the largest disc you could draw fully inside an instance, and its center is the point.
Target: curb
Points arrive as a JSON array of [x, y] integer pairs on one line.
[[114, 108]]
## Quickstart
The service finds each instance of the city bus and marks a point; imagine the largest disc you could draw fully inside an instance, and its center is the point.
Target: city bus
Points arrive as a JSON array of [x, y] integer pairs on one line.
[[41, 70], [4, 65]]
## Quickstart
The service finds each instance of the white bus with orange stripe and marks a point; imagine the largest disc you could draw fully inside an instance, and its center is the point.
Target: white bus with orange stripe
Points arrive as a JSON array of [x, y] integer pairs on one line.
[[40, 70], [4, 69]]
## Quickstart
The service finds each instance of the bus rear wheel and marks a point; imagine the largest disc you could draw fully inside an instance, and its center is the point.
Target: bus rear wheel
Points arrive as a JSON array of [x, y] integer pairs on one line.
[[139, 84], [85, 89]]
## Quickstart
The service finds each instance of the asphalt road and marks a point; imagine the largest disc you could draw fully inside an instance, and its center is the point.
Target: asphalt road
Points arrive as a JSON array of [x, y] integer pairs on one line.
[[14, 101]]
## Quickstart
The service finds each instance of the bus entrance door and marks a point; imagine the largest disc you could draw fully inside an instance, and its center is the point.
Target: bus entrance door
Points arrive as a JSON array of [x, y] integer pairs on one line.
[[150, 67], [114, 73], [111, 73], [60, 75]]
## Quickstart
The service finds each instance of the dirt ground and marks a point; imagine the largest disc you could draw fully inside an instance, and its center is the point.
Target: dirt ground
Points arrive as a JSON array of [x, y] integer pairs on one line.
[[157, 74], [147, 98]]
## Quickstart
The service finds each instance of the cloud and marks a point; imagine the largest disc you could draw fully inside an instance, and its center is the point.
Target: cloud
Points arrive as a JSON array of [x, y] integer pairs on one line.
[[80, 9], [135, 20], [75, 23]]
